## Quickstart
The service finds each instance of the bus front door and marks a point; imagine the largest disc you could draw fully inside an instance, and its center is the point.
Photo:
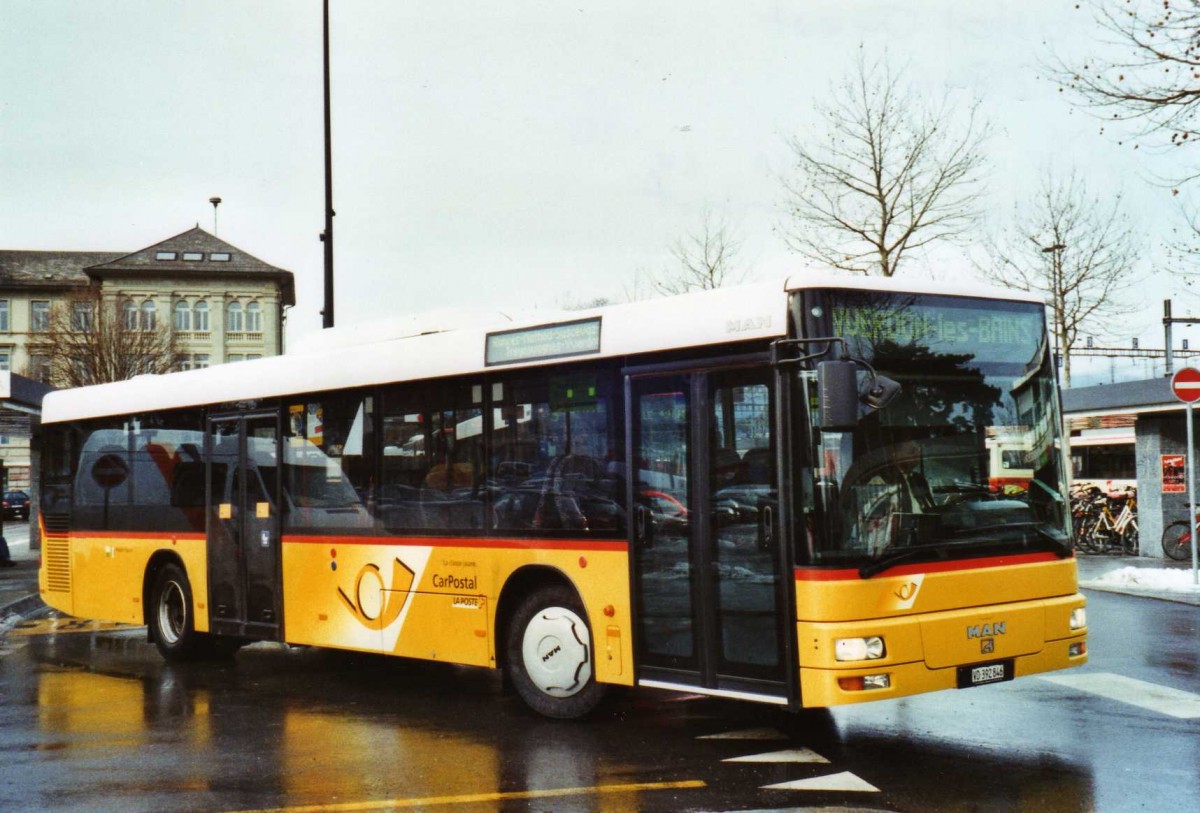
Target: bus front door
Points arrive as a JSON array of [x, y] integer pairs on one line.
[[244, 526], [708, 585]]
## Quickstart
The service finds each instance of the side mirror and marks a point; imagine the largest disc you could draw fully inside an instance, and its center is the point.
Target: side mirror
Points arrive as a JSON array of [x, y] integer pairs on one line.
[[837, 395]]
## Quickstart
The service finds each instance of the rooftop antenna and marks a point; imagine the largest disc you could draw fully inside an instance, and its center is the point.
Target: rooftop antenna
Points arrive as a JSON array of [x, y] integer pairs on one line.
[[215, 201]]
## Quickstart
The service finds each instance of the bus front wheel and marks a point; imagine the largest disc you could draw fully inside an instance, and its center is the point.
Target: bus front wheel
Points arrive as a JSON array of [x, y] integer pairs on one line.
[[171, 616], [550, 656]]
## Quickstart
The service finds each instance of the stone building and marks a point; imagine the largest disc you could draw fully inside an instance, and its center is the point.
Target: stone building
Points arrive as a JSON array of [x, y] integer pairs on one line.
[[223, 304], [1142, 427]]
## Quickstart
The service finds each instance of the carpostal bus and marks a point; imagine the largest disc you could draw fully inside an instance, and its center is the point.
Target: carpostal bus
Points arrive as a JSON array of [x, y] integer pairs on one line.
[[779, 492]]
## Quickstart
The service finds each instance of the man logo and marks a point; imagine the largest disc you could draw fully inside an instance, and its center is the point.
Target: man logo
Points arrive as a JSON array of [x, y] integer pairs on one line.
[[987, 646]]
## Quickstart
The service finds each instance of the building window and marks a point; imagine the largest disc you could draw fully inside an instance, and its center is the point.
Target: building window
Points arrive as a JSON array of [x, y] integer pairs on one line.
[[253, 318], [5, 359], [39, 368], [200, 317], [200, 361], [39, 315], [233, 318], [129, 315], [193, 256], [165, 255], [4, 315], [232, 357], [149, 320], [183, 316], [81, 316], [219, 256]]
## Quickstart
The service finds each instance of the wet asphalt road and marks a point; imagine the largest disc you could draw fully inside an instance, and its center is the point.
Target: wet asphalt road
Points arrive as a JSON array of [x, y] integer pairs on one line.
[[94, 720]]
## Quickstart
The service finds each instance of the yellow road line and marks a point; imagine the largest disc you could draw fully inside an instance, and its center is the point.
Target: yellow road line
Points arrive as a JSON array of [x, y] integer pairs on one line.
[[478, 798]]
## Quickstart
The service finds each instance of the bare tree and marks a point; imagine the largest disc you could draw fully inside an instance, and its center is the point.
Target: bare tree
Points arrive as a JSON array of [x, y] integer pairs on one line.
[[705, 259], [1153, 75], [1077, 250], [88, 340], [892, 173]]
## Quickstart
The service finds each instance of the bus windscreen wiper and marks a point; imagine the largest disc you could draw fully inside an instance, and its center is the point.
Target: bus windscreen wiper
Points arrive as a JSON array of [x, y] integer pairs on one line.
[[889, 560]]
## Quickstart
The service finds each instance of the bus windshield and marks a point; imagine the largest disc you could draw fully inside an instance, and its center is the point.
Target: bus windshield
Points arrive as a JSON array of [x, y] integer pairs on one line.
[[965, 461]]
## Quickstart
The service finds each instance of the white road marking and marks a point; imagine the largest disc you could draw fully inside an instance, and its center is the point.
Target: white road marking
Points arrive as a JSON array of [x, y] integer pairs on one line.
[[844, 781], [788, 755], [747, 734], [1149, 696]]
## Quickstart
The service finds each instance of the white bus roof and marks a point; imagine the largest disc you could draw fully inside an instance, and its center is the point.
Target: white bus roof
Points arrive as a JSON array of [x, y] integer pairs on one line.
[[706, 318]]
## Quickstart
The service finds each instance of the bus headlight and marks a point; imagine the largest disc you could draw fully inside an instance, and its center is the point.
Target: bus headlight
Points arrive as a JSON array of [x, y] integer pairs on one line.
[[1078, 618], [859, 649]]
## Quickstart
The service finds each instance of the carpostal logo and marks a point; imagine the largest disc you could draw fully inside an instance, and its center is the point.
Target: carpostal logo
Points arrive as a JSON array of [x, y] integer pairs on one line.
[[457, 583]]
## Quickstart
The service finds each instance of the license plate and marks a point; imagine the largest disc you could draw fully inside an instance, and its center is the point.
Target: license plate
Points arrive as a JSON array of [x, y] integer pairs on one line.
[[983, 674]]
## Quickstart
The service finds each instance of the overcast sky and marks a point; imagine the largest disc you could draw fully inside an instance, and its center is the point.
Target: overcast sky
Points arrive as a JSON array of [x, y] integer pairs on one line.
[[495, 154]]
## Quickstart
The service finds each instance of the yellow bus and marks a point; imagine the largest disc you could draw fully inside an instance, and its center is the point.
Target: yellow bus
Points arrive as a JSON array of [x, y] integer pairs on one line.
[[778, 492]]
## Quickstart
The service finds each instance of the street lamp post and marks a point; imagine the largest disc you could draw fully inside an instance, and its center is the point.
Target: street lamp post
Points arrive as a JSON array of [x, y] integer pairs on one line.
[[1060, 340], [327, 235]]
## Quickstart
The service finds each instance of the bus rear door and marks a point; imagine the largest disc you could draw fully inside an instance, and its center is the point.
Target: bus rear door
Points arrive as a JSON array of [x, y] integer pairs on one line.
[[244, 526]]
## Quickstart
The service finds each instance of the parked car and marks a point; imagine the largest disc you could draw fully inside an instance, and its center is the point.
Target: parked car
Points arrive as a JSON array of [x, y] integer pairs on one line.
[[16, 505]]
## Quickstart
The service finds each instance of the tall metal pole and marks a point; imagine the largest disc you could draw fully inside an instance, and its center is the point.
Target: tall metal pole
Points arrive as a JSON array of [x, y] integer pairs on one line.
[[1191, 475], [327, 235], [1167, 320]]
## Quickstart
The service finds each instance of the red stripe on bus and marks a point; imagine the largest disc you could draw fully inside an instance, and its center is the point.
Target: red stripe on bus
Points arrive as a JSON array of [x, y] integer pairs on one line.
[[806, 574], [464, 542]]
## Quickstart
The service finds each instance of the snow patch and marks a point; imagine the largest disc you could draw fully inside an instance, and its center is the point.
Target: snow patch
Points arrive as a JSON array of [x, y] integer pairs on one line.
[[1168, 580]]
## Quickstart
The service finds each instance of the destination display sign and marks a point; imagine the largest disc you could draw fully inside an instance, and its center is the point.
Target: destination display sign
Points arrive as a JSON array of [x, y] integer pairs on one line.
[[543, 342], [995, 332]]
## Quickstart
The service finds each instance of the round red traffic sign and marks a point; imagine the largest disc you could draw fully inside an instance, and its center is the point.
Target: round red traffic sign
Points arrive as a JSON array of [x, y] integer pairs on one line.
[[1186, 385]]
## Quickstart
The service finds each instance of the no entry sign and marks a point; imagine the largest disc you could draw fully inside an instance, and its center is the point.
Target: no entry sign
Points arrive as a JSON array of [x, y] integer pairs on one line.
[[1186, 385]]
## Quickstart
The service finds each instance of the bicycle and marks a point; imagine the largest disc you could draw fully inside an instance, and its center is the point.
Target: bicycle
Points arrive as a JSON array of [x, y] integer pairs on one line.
[[1098, 529], [1177, 540], [1125, 525]]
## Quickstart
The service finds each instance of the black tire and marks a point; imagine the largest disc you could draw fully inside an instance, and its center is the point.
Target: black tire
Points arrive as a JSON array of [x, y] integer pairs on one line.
[[170, 617], [550, 657], [1176, 541], [1129, 540]]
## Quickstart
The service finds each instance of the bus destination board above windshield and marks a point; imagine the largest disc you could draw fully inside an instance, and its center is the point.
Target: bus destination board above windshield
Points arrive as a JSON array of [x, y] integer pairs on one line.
[[543, 342]]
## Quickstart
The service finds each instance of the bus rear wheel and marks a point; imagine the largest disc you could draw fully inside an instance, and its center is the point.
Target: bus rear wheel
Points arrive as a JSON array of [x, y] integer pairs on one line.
[[171, 617], [550, 656]]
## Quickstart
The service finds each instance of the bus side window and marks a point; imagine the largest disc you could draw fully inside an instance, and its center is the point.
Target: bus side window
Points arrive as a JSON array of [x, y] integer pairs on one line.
[[328, 463], [554, 462]]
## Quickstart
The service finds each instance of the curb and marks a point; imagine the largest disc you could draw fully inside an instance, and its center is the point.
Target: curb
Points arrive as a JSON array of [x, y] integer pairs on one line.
[[1126, 590], [19, 610]]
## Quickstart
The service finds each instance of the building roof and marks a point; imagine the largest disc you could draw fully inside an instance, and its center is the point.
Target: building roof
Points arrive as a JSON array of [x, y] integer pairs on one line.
[[49, 269], [1151, 394], [20, 393], [195, 253]]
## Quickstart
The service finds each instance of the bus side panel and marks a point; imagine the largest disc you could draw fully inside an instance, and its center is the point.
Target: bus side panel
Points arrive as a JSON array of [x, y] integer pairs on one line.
[[107, 574], [435, 599]]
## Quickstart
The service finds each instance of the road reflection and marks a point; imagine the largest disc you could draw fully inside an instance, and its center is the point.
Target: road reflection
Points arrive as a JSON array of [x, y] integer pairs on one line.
[[108, 725], [296, 727]]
